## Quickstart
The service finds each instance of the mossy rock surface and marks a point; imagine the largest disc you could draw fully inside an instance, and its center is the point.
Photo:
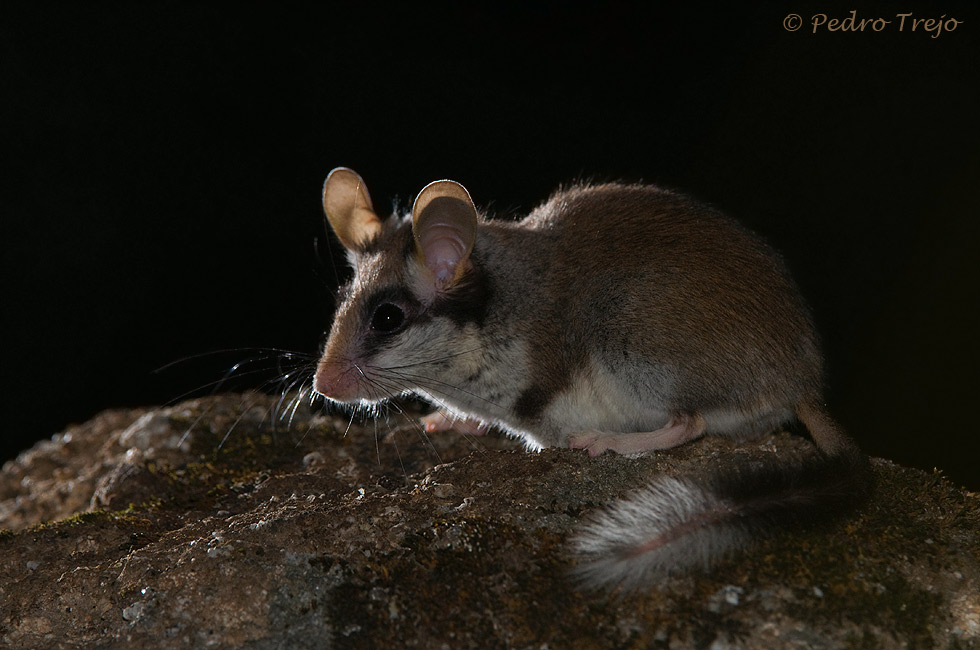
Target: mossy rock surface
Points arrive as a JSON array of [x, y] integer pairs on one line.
[[203, 525]]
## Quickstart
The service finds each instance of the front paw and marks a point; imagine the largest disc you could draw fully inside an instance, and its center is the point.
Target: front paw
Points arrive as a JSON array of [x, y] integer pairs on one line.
[[437, 421], [444, 421]]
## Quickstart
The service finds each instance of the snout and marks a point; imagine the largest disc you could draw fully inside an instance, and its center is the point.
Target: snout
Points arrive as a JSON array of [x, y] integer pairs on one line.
[[338, 380]]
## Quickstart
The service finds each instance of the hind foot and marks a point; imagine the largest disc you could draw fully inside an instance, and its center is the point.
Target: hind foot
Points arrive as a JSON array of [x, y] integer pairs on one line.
[[681, 428]]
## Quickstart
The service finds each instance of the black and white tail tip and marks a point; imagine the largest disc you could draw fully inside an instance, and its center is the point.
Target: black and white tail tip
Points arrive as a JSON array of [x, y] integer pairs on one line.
[[677, 525], [665, 528]]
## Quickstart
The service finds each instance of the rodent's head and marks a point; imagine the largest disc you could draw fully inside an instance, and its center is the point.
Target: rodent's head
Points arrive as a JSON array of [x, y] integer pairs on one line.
[[406, 315]]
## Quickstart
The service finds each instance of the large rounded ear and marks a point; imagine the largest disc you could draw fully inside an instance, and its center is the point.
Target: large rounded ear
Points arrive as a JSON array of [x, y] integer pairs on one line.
[[444, 226], [348, 207]]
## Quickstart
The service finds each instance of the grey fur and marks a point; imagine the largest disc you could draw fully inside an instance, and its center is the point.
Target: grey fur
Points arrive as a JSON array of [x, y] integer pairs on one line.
[[621, 317]]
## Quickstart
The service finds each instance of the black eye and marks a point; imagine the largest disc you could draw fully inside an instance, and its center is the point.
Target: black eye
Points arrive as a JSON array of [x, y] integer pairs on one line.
[[387, 318]]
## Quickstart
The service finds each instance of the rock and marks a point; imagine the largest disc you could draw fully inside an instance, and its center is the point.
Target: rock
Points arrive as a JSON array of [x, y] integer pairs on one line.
[[204, 525]]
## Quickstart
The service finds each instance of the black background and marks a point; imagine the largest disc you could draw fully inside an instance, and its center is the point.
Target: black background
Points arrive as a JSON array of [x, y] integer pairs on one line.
[[164, 164]]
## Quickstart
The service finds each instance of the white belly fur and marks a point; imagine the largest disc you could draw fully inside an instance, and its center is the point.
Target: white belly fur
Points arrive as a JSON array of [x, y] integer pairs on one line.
[[600, 401]]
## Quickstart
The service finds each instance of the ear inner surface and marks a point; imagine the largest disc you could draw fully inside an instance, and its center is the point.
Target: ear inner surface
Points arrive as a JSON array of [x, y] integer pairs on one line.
[[444, 226], [347, 205]]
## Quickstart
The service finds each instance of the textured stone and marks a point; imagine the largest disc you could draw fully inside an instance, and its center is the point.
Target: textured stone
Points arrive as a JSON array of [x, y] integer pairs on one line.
[[202, 525]]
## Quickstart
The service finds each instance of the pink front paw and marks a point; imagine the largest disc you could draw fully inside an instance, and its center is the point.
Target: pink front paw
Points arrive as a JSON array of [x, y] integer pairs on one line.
[[437, 421], [444, 421]]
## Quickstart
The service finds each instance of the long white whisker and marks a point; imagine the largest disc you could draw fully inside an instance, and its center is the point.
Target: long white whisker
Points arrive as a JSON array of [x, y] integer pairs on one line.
[[300, 380], [296, 403], [415, 424], [422, 381], [270, 352], [431, 361], [215, 386]]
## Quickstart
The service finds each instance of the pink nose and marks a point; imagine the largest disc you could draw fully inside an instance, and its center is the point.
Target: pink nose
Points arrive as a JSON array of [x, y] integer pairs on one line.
[[326, 380], [336, 380]]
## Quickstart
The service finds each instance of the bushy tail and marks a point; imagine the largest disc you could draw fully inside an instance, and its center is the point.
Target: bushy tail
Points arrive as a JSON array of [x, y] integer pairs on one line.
[[679, 524]]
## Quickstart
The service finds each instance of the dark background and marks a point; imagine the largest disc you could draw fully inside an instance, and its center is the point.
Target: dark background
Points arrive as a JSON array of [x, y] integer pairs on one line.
[[164, 165]]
